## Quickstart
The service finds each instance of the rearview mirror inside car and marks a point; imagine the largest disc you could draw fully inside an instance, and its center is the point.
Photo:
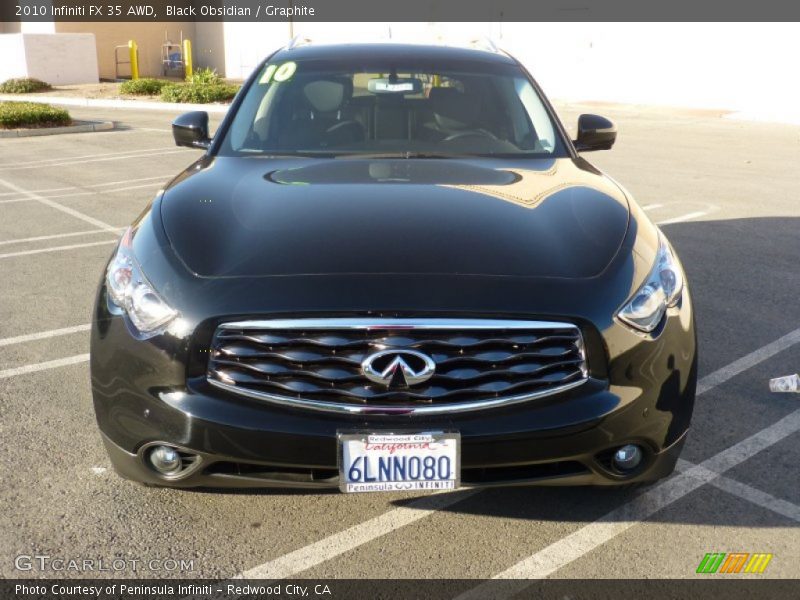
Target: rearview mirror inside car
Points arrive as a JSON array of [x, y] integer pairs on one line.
[[191, 130], [595, 133], [394, 85]]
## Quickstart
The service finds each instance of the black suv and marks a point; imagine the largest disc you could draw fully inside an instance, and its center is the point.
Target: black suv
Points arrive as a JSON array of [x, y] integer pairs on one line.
[[392, 270]]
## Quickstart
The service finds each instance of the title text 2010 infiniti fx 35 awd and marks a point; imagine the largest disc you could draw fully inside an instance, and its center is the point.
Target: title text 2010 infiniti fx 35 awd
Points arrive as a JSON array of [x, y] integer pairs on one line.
[[391, 269]]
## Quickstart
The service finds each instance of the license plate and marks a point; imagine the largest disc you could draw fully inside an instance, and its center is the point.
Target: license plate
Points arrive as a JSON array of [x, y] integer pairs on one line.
[[399, 462]]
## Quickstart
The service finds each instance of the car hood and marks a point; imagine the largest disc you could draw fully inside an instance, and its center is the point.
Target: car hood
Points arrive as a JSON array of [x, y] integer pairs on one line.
[[254, 217]]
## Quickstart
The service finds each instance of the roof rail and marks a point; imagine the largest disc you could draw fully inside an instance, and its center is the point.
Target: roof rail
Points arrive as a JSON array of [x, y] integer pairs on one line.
[[484, 43], [298, 40]]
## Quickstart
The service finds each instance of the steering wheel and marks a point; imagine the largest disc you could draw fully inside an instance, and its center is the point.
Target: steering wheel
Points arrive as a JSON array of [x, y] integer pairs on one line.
[[473, 133]]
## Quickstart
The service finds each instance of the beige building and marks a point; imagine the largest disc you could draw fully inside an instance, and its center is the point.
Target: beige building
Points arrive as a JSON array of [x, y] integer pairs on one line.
[[232, 49], [150, 37]]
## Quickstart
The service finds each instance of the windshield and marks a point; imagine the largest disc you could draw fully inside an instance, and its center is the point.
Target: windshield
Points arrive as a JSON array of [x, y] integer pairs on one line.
[[392, 108]]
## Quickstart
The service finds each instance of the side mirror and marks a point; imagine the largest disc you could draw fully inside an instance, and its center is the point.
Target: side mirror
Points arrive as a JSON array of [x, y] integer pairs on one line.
[[191, 130], [595, 133]]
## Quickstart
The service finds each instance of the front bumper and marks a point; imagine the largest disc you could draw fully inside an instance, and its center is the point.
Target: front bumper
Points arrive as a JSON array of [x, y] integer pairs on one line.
[[144, 393]]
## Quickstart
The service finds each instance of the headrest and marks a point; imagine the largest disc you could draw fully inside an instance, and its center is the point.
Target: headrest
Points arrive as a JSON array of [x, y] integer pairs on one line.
[[453, 108], [327, 95]]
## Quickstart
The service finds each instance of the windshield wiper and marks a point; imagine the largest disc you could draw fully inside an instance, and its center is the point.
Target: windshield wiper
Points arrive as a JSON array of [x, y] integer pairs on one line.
[[403, 155], [298, 154], [353, 155]]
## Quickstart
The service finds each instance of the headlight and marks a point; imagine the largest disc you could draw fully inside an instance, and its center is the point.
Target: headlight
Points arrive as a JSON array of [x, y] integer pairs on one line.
[[129, 289], [661, 290]]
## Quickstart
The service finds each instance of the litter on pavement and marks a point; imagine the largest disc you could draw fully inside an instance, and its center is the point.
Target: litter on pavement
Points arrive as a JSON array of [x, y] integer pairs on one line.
[[790, 383]]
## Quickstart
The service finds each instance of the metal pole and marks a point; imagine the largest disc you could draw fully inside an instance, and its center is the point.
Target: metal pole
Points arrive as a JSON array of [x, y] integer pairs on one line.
[[133, 50]]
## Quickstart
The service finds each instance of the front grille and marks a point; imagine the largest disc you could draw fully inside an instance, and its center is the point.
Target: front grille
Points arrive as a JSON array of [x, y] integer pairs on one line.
[[317, 363]]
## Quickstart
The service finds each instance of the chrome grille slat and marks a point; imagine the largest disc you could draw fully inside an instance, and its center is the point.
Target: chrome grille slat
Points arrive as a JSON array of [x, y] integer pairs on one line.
[[275, 372], [273, 341], [428, 394], [316, 363], [301, 357]]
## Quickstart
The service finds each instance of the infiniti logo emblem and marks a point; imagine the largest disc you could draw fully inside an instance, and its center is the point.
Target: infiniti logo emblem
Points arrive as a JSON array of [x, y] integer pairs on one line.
[[398, 368]]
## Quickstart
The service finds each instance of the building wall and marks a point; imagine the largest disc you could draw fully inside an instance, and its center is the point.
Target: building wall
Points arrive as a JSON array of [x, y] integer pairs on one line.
[[209, 46], [247, 44], [13, 64], [37, 27], [56, 59], [734, 66], [149, 37]]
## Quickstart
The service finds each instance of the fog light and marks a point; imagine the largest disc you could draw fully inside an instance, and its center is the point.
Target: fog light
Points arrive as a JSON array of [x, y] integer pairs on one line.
[[628, 457], [165, 460]]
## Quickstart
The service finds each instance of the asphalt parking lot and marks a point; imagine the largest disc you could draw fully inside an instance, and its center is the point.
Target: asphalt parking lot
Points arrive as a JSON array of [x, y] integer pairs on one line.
[[725, 192]]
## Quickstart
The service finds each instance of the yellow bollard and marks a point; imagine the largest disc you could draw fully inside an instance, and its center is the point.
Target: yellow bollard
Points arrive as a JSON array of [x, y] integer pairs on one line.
[[133, 50], [187, 57]]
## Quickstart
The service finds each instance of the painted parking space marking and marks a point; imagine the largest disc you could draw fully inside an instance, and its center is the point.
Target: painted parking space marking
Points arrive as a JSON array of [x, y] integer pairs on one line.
[[686, 217], [43, 335], [49, 162], [744, 491], [65, 209], [55, 236], [45, 161], [88, 192], [93, 160], [357, 535], [48, 190], [692, 210], [570, 548], [92, 185], [44, 366], [55, 249], [573, 546], [738, 366]]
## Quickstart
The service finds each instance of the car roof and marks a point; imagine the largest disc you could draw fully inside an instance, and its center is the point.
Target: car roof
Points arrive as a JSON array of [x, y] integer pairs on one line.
[[389, 50]]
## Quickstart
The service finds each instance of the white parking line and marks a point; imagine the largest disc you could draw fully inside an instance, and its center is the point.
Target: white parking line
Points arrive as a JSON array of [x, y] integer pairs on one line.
[[686, 217], [107, 191], [55, 236], [339, 543], [88, 192], [105, 158], [745, 492], [738, 366], [92, 185], [587, 538], [48, 190], [43, 335], [55, 249], [652, 206], [48, 161], [43, 366], [61, 207]]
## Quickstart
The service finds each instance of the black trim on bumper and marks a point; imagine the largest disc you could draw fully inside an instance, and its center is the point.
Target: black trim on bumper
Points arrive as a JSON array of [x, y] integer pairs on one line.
[[221, 472]]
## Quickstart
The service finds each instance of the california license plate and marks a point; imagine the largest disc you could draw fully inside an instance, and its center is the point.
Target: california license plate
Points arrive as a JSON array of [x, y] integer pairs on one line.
[[399, 462]]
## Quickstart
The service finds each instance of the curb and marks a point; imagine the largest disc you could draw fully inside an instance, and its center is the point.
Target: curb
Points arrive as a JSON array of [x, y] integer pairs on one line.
[[112, 103], [83, 127]]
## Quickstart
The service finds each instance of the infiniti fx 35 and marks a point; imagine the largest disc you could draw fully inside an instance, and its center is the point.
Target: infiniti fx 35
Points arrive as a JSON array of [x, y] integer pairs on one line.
[[391, 269]]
